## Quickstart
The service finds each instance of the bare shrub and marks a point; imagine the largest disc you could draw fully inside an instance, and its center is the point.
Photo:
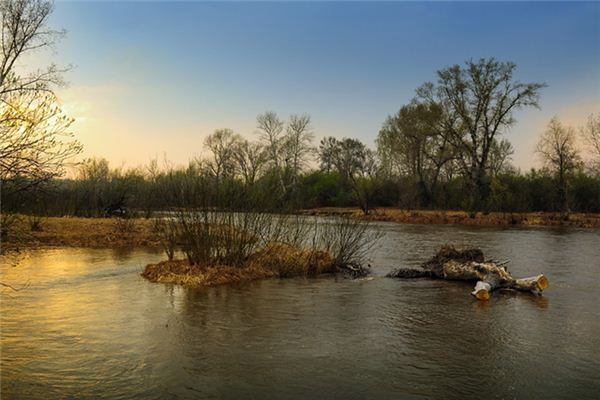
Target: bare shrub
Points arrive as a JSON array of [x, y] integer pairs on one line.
[[8, 224], [35, 222], [222, 238], [167, 230], [349, 242]]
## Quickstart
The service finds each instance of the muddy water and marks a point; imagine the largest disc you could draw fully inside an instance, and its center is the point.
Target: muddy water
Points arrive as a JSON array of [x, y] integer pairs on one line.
[[87, 326]]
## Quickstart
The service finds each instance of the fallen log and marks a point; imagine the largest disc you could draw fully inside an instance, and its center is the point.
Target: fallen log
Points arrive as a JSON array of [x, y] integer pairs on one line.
[[469, 265]]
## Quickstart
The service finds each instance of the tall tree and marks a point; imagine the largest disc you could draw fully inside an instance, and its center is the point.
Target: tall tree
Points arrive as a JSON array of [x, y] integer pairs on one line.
[[478, 102], [288, 147], [221, 164], [271, 132], [24, 31], [327, 148], [357, 165], [411, 143], [297, 144], [35, 141], [591, 136], [558, 150], [250, 159]]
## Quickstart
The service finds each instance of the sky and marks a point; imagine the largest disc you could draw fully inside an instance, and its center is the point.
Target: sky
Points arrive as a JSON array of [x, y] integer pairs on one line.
[[152, 79]]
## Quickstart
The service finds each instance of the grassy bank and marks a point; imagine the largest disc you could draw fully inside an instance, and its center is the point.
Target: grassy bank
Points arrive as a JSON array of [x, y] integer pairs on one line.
[[274, 261], [580, 220], [25, 232]]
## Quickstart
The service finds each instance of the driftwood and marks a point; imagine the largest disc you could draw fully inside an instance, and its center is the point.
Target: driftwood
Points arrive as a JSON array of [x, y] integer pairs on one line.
[[355, 270], [470, 265]]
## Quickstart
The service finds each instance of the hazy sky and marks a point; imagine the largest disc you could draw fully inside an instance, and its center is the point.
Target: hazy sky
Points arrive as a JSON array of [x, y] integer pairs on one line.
[[157, 77]]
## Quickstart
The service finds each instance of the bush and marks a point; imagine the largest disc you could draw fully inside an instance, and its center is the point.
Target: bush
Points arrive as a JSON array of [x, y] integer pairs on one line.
[[35, 223]]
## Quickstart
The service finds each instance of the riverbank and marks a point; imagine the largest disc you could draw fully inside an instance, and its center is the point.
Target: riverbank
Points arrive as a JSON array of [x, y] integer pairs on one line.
[[389, 214], [24, 233], [27, 233], [275, 261]]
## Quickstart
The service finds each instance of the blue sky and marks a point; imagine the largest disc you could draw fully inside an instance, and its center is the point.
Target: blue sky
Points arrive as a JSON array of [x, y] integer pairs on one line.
[[157, 77]]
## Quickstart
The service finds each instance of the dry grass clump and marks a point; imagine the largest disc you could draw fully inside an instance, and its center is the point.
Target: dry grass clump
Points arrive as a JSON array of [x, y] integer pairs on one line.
[[181, 272], [277, 260], [287, 261], [450, 253]]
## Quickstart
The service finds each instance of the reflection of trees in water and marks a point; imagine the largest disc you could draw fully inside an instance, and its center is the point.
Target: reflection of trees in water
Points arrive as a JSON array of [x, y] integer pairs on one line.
[[10, 260], [122, 253]]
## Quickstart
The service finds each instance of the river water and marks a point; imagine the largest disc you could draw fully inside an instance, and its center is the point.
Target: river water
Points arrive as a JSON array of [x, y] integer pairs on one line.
[[87, 326]]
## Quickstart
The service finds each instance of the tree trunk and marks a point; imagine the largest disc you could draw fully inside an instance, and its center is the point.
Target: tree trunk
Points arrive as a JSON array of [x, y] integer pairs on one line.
[[468, 265]]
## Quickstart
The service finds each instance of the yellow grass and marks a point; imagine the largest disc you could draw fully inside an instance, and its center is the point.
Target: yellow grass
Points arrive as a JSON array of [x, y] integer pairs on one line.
[[180, 272], [581, 220], [275, 261], [80, 232]]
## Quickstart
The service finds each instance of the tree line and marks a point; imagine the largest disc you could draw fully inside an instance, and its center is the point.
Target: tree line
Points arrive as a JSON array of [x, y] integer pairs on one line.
[[443, 150], [282, 170]]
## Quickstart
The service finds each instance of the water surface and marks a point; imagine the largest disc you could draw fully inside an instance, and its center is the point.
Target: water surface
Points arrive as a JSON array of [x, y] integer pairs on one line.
[[88, 326]]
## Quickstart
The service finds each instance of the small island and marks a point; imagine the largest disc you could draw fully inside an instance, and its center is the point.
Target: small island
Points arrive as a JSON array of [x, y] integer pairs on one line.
[[224, 247]]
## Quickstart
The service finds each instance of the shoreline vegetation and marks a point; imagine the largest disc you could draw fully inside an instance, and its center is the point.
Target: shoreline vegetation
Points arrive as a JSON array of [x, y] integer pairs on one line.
[[230, 248], [27, 232], [39, 232], [450, 217], [217, 247]]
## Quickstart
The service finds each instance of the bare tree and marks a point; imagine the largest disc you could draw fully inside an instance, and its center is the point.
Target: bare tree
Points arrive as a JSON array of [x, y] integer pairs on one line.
[[558, 150], [287, 146], [35, 141], [591, 136], [222, 144], [297, 144], [250, 158], [478, 102], [271, 129], [24, 31]]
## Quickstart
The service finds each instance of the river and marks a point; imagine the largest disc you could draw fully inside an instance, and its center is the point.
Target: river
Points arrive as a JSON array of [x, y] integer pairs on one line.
[[87, 326]]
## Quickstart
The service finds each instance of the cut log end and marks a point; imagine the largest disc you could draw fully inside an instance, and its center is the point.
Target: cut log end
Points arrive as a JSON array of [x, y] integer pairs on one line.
[[535, 284], [542, 282], [482, 295], [482, 291]]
